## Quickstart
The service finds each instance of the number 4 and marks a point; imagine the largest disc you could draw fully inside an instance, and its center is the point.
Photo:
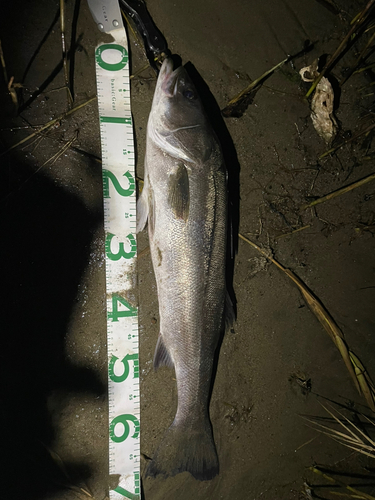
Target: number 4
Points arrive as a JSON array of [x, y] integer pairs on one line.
[[115, 314]]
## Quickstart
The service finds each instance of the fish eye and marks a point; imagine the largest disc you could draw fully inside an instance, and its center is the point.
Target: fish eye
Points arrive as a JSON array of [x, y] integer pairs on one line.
[[189, 94]]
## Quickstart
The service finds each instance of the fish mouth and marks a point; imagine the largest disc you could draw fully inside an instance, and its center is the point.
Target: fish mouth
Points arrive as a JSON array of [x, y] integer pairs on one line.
[[168, 77]]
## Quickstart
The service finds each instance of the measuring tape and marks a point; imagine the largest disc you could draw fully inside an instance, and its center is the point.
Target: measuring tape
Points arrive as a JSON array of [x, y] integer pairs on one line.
[[116, 132]]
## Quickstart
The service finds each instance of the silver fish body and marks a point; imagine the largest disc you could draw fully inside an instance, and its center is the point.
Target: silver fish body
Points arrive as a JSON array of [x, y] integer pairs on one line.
[[185, 202]]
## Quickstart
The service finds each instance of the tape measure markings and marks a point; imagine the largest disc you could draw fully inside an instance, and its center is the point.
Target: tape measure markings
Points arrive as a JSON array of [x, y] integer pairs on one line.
[[116, 130]]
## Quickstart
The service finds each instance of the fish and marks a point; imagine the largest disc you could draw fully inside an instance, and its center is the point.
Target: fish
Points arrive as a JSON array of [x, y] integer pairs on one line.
[[184, 202]]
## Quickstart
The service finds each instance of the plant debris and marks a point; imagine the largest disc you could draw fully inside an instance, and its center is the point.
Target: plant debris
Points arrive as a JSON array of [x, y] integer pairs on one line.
[[351, 435], [322, 115]]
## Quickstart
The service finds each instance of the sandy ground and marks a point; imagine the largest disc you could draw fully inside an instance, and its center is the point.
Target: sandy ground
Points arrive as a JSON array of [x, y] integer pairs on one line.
[[53, 351]]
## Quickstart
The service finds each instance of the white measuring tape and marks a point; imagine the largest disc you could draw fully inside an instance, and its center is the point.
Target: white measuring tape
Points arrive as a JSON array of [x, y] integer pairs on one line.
[[116, 132]]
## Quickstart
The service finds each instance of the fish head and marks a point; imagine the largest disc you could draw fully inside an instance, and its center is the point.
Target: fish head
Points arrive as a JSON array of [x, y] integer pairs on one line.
[[178, 123]]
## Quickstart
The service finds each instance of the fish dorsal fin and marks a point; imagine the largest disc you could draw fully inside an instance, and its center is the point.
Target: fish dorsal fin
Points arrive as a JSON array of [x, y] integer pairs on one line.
[[162, 356], [178, 192]]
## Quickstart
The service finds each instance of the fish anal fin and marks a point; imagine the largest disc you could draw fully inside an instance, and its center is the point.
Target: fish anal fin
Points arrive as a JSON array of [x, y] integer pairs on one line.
[[178, 192], [162, 356]]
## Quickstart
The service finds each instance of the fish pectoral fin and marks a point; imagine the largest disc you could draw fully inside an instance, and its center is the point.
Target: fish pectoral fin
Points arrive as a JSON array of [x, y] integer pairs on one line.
[[178, 192], [142, 210], [162, 356]]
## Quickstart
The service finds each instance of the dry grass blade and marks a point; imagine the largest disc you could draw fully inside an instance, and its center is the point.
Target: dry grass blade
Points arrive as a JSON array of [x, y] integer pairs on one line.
[[64, 53], [331, 432], [49, 124], [359, 60], [341, 423], [339, 192], [2, 60], [357, 441], [332, 150], [346, 495], [352, 425], [327, 322], [59, 153], [138, 72], [365, 68], [253, 84], [357, 23], [58, 461], [364, 384], [80, 492], [10, 83], [295, 231], [360, 494]]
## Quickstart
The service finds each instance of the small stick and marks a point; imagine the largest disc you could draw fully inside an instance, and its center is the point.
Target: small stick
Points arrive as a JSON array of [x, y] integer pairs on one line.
[[339, 192], [64, 54], [49, 124], [358, 21]]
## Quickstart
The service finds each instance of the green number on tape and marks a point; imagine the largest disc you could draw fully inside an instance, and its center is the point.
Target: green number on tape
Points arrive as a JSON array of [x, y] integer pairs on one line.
[[111, 66], [125, 362], [116, 119], [127, 494], [115, 314], [123, 419], [121, 252], [107, 175]]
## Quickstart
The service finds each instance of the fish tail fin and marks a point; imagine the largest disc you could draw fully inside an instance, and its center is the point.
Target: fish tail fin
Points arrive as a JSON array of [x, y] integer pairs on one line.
[[186, 448]]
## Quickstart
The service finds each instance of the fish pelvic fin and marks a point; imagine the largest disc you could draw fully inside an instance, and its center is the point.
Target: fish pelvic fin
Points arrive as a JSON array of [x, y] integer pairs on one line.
[[162, 356], [186, 448]]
